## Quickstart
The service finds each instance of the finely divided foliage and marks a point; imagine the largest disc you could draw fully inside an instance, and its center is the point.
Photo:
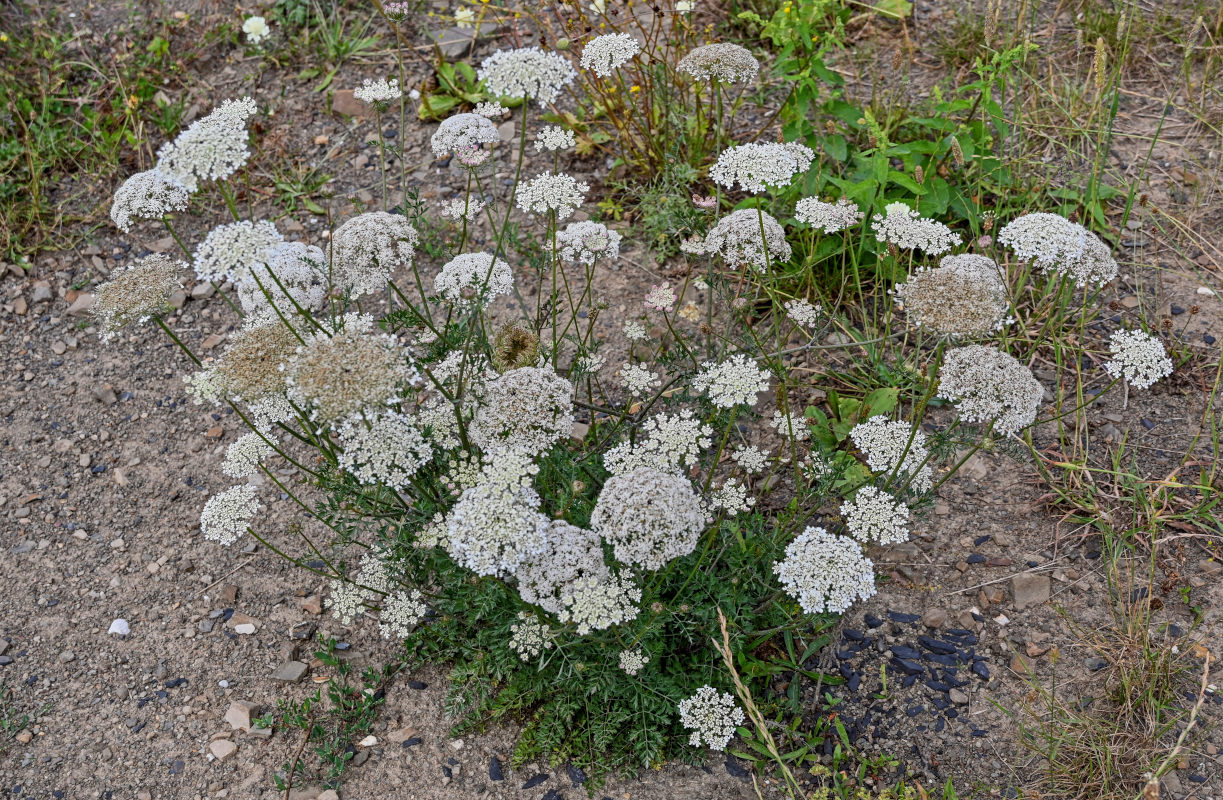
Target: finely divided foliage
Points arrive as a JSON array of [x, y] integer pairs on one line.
[[559, 501]]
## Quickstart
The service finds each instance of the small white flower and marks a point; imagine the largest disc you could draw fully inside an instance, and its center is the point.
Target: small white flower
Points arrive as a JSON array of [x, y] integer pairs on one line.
[[825, 573], [757, 166], [634, 331], [828, 217], [735, 381], [875, 516], [226, 515], [902, 226], [401, 613], [560, 193], [638, 380], [633, 661], [529, 637], [245, 454], [712, 716], [732, 498], [608, 52], [750, 458], [553, 137], [803, 313], [378, 91], [527, 72], [256, 29], [1138, 358]]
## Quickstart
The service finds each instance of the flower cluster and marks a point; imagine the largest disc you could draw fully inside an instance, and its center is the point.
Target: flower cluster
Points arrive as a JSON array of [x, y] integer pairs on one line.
[[670, 441], [468, 208], [571, 553], [638, 379], [147, 195], [251, 368], [401, 613], [750, 458], [1055, 244], [592, 604], [803, 312], [712, 716], [136, 293], [1138, 358], [212, 148], [527, 72], [496, 525], [735, 381], [227, 514], [964, 296], [367, 248], [584, 242], [660, 298], [229, 251], [791, 426], [347, 373], [608, 52], [757, 166], [548, 192], [291, 280], [732, 498], [528, 409], [874, 515], [387, 449], [245, 454], [552, 138], [473, 279], [529, 637], [737, 238], [902, 226], [828, 217], [722, 62], [988, 384], [378, 92], [649, 516], [894, 446], [462, 132], [633, 661], [825, 573]]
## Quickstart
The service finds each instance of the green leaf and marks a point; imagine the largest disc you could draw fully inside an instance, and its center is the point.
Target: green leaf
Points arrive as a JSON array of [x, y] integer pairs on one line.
[[897, 9], [835, 146]]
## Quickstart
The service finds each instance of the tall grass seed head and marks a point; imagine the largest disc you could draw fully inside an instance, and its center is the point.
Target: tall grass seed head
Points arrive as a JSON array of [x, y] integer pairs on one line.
[[147, 195], [649, 517], [385, 449], [462, 131], [758, 166], [585, 242], [737, 239], [136, 293], [828, 217], [905, 228], [229, 251], [735, 381], [473, 280], [712, 716], [366, 249], [527, 72], [609, 52], [988, 384], [212, 148], [547, 192], [227, 514], [1055, 244], [964, 297], [722, 62], [528, 409], [894, 446], [1138, 357], [347, 373], [873, 515], [825, 573], [570, 553]]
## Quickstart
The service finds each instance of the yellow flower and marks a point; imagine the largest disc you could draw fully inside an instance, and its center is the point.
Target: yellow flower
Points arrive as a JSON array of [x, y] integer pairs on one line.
[[132, 101], [3, 37], [634, 88]]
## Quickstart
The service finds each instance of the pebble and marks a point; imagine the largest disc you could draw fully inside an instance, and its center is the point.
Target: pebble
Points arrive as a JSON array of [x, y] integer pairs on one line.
[[1029, 589], [244, 628], [222, 749], [958, 697], [535, 781], [120, 627], [239, 715], [67, 657], [494, 770], [934, 618], [289, 671]]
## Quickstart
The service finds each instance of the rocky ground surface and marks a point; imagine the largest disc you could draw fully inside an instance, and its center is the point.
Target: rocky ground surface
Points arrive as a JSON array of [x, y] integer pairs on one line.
[[105, 465]]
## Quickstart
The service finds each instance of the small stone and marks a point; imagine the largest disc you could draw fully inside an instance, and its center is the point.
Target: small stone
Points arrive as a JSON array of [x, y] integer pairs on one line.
[[958, 697], [120, 627], [330, 794], [494, 770], [19, 307], [289, 671], [506, 131], [202, 291], [24, 737], [67, 657], [1035, 650], [1210, 567], [239, 715], [222, 749], [934, 618], [1020, 666], [81, 306], [343, 102], [1029, 589], [246, 629], [42, 292], [312, 604], [368, 741]]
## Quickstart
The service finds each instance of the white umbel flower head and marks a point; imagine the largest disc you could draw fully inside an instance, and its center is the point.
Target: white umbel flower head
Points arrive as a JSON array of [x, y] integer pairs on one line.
[[473, 279], [803, 312], [828, 217], [212, 148], [462, 132], [368, 247], [552, 138], [712, 716], [245, 454], [1055, 244], [988, 384], [732, 498], [964, 297], [894, 446], [229, 251], [529, 637], [633, 661], [670, 442], [902, 226], [722, 62], [389, 449], [758, 166], [750, 458], [378, 92], [594, 604], [735, 381], [875, 516], [251, 367], [585, 242], [347, 373], [147, 195], [737, 238], [346, 600], [527, 72], [638, 379], [495, 526], [609, 52], [401, 613], [1138, 358], [825, 573], [227, 514], [528, 409], [293, 276], [136, 292], [649, 517], [256, 29], [571, 553], [548, 192], [468, 208]]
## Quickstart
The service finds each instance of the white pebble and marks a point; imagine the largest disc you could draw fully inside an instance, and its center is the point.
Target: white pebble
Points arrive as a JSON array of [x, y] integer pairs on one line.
[[1206, 292], [245, 628], [120, 627]]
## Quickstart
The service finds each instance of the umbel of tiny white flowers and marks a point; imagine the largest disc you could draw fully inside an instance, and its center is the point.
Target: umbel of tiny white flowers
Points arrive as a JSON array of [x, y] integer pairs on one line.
[[136, 293], [828, 217], [229, 251], [527, 72], [212, 148], [366, 249], [609, 52], [737, 239], [988, 384], [712, 716], [825, 573], [757, 166], [1055, 244], [907, 229], [378, 93], [147, 195], [560, 194], [964, 297], [462, 131], [722, 61], [1138, 358]]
